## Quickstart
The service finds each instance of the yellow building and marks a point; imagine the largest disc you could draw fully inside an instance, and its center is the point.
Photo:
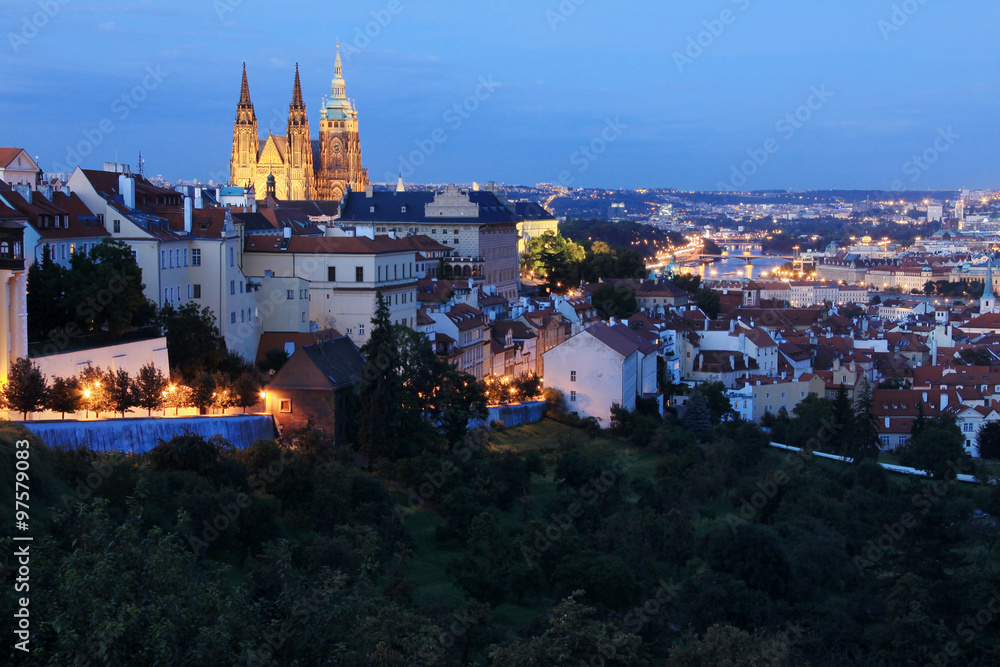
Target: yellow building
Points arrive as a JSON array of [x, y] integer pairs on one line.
[[301, 167]]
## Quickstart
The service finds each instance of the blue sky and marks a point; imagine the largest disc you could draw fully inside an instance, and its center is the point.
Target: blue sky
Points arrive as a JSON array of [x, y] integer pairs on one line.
[[585, 92]]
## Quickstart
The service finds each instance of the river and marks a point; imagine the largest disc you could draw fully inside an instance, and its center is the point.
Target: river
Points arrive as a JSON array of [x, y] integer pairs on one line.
[[735, 268]]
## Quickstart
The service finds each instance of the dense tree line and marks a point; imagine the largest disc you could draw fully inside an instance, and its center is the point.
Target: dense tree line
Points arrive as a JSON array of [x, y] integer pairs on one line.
[[565, 263], [96, 390], [646, 239]]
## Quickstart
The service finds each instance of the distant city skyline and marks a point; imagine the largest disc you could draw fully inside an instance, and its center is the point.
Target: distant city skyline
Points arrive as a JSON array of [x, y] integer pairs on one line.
[[729, 94]]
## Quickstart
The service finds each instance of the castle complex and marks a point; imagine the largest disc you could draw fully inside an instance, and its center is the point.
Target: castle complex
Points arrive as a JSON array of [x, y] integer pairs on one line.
[[302, 168]]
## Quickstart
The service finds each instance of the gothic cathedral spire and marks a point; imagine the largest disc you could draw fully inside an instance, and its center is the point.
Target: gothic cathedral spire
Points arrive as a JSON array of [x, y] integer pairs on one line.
[[246, 143], [300, 175]]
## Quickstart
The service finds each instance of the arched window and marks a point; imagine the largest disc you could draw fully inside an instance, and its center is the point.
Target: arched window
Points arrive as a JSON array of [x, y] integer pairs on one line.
[[5, 249]]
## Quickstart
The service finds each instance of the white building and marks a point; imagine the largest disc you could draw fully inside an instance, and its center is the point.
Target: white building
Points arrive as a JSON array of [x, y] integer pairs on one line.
[[601, 366]]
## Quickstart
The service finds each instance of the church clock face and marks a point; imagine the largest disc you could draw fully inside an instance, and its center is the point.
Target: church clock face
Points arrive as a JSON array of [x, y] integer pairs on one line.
[[336, 148]]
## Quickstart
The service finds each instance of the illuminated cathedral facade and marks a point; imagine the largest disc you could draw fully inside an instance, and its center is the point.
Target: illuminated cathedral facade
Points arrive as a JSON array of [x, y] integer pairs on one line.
[[302, 168]]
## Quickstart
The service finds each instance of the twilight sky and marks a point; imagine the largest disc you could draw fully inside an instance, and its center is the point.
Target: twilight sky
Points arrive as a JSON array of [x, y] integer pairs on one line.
[[675, 93]]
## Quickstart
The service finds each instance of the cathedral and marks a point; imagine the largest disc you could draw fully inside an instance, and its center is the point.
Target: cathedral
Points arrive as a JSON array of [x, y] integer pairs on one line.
[[302, 168]]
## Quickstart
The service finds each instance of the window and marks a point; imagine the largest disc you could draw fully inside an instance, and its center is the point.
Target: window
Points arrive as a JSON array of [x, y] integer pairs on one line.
[[241, 287], [185, 256], [359, 274], [572, 376], [782, 394], [163, 259], [285, 405], [197, 291], [118, 227], [196, 257], [361, 330], [232, 256], [885, 440], [291, 294], [232, 317], [170, 255], [572, 396], [243, 316], [967, 428], [232, 287], [331, 274], [189, 291]]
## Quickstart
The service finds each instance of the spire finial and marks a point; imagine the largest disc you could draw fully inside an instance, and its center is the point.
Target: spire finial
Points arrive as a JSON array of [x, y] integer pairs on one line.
[[297, 91], [245, 89]]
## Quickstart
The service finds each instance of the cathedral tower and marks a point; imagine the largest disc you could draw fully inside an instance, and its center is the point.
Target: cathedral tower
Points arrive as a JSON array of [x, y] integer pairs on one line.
[[246, 143], [340, 145], [300, 157]]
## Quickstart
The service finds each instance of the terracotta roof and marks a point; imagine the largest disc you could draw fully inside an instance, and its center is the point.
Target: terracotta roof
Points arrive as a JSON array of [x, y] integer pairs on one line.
[[8, 154], [276, 340]]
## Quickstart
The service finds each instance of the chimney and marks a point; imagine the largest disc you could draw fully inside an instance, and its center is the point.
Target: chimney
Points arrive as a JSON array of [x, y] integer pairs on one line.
[[286, 232], [199, 203], [24, 191], [925, 396], [65, 190], [126, 186], [701, 361], [732, 361], [46, 191], [369, 191], [188, 215]]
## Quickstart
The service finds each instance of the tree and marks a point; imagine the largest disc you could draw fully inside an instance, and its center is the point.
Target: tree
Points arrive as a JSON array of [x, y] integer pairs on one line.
[[193, 339], [709, 302], [728, 646], [697, 417], [150, 386], [554, 257], [273, 360], [613, 301], [988, 440], [866, 443], [718, 403], [919, 422], [689, 282], [379, 418], [46, 303], [843, 417], [64, 396], [25, 390], [574, 637], [937, 448], [95, 395], [246, 390], [121, 391], [203, 391], [105, 292], [486, 569]]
